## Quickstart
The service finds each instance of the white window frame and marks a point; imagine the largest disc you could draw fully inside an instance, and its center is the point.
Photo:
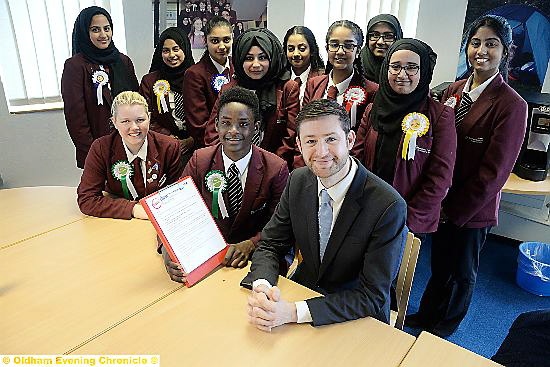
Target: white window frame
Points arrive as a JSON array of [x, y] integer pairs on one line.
[[36, 36], [320, 14]]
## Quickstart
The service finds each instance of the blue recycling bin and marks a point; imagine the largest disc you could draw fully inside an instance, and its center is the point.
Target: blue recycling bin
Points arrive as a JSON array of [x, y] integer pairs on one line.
[[533, 272]]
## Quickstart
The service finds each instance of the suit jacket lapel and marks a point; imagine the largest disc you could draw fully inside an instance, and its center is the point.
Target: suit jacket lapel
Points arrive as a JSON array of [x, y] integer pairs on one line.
[[348, 212], [312, 221]]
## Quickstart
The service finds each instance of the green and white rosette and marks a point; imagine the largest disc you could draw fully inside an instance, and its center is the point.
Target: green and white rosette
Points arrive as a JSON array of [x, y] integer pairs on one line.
[[123, 171], [216, 184]]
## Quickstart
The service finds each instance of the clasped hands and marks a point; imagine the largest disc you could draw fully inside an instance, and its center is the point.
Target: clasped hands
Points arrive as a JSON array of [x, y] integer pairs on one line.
[[267, 310]]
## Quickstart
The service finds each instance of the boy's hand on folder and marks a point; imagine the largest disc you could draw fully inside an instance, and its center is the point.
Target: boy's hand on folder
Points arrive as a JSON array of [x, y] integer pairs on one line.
[[238, 254], [174, 270]]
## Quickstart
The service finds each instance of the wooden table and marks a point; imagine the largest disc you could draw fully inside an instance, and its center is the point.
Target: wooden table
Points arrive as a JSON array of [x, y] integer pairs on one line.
[[30, 211], [64, 287], [429, 350], [517, 185], [206, 325]]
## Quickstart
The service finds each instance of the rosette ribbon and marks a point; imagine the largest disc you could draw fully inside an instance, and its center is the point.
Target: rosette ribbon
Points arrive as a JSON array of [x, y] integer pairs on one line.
[[414, 124], [353, 97], [123, 171], [161, 88], [216, 183]]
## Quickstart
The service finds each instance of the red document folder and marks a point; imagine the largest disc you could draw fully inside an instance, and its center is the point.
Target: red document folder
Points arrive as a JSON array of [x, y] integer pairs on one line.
[[206, 267]]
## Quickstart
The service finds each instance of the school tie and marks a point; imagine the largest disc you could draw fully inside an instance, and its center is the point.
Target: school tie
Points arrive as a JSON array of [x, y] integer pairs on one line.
[[463, 109], [234, 190], [325, 221], [332, 92], [226, 73], [298, 80], [138, 177]]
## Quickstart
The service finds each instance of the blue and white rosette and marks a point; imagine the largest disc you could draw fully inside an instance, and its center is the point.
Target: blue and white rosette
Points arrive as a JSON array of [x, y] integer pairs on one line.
[[123, 171], [218, 81], [217, 183], [99, 78]]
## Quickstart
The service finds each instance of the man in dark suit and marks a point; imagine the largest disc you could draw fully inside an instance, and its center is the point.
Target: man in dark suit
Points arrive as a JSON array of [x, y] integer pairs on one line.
[[262, 177], [350, 241]]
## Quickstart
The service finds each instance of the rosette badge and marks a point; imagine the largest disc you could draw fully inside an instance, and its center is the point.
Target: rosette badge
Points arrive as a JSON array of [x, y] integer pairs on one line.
[[353, 97], [218, 81], [161, 88], [123, 171], [414, 125], [100, 78], [216, 183]]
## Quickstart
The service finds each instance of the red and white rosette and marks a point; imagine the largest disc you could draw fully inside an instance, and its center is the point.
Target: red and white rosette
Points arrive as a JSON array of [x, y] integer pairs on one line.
[[161, 88], [452, 101], [100, 78], [354, 96]]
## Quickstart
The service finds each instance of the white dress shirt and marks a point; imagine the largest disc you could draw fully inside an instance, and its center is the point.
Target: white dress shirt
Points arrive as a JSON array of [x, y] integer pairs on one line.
[[142, 153], [242, 166], [476, 92], [342, 87]]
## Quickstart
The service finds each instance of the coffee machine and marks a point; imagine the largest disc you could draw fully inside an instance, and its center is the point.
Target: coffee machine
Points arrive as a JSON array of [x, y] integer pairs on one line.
[[534, 158]]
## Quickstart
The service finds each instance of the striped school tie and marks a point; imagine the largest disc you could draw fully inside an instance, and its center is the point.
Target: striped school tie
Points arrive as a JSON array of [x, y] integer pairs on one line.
[[332, 92], [465, 105], [234, 190]]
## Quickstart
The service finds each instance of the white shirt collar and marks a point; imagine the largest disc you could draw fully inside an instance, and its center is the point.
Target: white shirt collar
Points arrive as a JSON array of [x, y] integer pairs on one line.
[[338, 192], [219, 66], [242, 164], [343, 85], [476, 92], [303, 77], [142, 152]]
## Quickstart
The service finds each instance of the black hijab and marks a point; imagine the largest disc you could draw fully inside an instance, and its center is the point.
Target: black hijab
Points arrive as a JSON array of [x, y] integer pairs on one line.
[[372, 64], [120, 77], [389, 108], [173, 75], [266, 87]]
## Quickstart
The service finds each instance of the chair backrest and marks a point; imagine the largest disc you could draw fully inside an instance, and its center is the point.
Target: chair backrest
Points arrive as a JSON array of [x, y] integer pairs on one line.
[[405, 278]]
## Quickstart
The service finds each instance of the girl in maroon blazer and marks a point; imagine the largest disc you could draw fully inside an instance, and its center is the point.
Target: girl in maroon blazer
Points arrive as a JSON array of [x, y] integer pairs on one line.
[[260, 65], [204, 80], [303, 56], [95, 73], [490, 125], [128, 164], [163, 88], [343, 81], [408, 139]]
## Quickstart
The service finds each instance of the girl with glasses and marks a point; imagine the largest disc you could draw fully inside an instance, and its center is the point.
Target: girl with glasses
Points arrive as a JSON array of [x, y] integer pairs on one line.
[[407, 138], [491, 120], [163, 88], [382, 31], [204, 80], [261, 65], [343, 81], [91, 78]]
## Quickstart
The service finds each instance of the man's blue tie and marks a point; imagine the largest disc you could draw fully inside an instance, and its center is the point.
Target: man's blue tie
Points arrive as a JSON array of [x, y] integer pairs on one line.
[[325, 221]]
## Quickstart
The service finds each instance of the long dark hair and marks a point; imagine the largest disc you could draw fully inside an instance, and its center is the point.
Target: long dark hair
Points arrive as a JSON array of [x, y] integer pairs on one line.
[[357, 32], [316, 60], [503, 31]]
